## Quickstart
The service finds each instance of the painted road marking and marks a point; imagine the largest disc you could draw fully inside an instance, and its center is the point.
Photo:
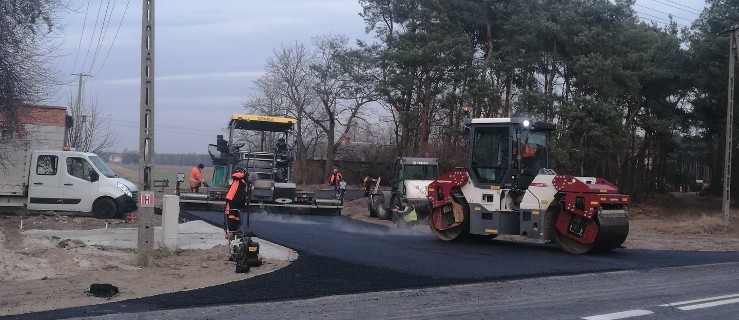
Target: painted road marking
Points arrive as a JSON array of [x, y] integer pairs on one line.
[[619, 315], [674, 304], [709, 304]]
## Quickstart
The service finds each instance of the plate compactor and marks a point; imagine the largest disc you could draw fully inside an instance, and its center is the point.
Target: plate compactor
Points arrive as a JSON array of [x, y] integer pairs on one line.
[[244, 250]]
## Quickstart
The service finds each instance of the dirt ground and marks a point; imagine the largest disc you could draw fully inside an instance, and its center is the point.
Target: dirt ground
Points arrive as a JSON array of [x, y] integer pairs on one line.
[[57, 273], [53, 273], [687, 223]]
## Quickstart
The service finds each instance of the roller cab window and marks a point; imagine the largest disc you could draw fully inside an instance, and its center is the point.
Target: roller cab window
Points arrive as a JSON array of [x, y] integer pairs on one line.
[[490, 153]]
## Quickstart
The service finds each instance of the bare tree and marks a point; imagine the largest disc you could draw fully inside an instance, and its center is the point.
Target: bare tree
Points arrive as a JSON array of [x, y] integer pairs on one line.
[[342, 87], [269, 99], [90, 130], [288, 70], [26, 44]]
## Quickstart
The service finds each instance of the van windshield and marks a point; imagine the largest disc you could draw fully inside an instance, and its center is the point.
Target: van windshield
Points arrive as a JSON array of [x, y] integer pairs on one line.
[[102, 167]]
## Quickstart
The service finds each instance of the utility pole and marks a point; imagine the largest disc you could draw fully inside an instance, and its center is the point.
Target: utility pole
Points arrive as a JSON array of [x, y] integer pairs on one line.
[[733, 40], [146, 135], [74, 137]]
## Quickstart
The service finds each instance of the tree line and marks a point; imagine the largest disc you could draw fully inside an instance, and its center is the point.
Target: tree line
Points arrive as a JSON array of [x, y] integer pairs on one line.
[[638, 104]]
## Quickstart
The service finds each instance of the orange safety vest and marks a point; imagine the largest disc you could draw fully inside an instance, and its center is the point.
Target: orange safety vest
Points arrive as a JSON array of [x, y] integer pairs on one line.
[[236, 197], [195, 177], [368, 182], [335, 177], [527, 150]]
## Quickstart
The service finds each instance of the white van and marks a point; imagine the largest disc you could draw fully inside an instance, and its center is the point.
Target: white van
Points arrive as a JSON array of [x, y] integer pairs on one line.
[[67, 181]]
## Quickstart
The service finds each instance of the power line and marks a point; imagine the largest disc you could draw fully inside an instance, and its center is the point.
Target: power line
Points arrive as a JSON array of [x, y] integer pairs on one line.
[[682, 5], [103, 32], [695, 11], [112, 123], [645, 20], [678, 8], [79, 45], [662, 12], [170, 126], [92, 36], [658, 19], [114, 37]]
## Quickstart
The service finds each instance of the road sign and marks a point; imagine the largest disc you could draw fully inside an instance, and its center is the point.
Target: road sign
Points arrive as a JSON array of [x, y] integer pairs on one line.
[[131, 217], [146, 199]]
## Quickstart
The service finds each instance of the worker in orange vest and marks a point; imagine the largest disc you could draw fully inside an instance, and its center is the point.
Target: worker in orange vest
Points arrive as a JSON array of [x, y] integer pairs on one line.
[[368, 184], [334, 180], [236, 200], [196, 178], [336, 177]]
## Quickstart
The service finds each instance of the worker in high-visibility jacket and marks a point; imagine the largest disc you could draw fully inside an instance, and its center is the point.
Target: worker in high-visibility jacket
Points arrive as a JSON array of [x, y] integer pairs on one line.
[[368, 180], [196, 178], [236, 200], [404, 214], [334, 180], [335, 177]]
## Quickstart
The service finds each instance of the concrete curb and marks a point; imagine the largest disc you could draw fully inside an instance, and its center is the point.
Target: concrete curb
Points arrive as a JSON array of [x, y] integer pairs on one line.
[[197, 235]]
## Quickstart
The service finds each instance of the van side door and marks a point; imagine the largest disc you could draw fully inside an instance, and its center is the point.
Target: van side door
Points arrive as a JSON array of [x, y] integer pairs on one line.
[[79, 190], [43, 182]]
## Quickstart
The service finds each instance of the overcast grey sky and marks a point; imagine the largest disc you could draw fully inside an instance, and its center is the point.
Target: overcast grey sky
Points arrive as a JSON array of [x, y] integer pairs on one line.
[[207, 55]]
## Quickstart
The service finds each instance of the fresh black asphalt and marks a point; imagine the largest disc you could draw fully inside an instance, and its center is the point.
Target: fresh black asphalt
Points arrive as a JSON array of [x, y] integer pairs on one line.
[[340, 256]]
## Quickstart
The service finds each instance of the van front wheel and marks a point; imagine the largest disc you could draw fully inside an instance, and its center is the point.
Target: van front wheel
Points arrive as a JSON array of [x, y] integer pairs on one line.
[[104, 208]]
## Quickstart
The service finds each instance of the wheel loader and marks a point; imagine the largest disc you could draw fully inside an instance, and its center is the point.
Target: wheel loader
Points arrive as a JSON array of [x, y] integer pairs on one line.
[[507, 188]]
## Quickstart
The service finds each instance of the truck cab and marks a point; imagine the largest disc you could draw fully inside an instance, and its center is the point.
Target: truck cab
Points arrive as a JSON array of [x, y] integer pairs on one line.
[[77, 181], [411, 178]]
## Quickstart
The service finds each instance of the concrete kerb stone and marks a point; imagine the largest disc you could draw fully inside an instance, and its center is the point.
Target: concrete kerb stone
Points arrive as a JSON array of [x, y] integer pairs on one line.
[[192, 235]]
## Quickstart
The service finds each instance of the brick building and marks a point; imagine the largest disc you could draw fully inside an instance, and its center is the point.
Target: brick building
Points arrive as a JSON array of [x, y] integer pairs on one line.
[[45, 127]]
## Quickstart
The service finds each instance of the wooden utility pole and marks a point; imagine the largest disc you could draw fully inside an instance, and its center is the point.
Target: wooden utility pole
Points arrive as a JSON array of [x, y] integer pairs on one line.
[[146, 135], [733, 40]]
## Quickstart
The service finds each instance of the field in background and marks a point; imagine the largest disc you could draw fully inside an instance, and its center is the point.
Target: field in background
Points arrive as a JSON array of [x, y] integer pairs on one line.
[[161, 172]]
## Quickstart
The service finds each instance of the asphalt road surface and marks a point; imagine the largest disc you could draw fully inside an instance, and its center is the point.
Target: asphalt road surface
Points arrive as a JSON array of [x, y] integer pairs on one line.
[[692, 292], [343, 256]]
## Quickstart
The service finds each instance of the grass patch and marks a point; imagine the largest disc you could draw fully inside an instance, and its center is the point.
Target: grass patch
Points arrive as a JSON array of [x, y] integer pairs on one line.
[[698, 225], [143, 260]]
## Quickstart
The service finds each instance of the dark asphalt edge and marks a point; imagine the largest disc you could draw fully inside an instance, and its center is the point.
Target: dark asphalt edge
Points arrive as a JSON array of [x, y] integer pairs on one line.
[[307, 273]]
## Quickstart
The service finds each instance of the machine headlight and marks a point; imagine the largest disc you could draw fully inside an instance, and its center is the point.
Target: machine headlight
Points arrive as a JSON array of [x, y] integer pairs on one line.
[[526, 123], [125, 189]]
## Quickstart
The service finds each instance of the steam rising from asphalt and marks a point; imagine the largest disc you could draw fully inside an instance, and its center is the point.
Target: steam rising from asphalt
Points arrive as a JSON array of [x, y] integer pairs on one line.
[[357, 227], [347, 225], [282, 218]]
